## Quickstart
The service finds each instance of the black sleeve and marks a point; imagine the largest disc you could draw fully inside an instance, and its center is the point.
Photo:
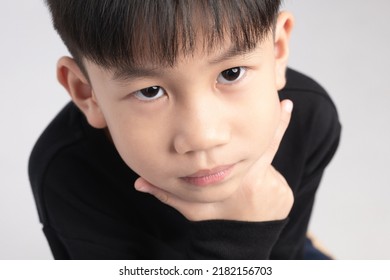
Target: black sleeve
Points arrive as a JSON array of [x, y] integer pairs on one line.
[[233, 239]]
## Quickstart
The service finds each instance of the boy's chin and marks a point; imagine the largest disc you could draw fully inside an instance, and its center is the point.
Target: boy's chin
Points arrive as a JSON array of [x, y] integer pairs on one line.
[[209, 194]]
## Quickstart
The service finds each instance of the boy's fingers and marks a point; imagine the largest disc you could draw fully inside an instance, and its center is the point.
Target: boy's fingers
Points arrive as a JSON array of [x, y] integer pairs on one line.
[[165, 197], [144, 186], [285, 116]]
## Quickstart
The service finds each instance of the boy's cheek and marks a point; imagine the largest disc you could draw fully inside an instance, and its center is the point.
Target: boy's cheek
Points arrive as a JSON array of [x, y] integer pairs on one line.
[[260, 125]]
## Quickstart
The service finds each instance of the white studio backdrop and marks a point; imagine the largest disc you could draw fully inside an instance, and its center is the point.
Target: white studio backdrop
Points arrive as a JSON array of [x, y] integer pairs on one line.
[[342, 44]]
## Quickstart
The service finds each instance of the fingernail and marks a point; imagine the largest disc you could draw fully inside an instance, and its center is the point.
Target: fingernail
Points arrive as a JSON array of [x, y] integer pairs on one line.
[[139, 187], [288, 106]]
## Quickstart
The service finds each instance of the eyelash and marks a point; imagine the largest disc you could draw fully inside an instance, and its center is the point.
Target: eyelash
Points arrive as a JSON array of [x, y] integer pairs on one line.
[[140, 94]]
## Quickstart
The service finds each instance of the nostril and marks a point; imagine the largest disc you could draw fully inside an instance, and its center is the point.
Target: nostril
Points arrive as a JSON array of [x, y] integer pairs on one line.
[[196, 141]]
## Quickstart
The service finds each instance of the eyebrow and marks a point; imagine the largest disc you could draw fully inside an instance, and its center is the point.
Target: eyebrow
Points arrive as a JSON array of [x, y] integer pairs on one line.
[[136, 72], [230, 53]]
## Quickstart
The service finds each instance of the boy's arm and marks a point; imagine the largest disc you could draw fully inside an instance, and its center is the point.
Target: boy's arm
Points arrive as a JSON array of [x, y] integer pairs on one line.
[[223, 239]]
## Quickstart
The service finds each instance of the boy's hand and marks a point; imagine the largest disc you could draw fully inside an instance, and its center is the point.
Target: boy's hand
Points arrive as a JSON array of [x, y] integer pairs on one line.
[[264, 194]]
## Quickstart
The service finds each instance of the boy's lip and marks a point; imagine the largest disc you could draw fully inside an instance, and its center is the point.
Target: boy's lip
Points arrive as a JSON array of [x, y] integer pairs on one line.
[[209, 176]]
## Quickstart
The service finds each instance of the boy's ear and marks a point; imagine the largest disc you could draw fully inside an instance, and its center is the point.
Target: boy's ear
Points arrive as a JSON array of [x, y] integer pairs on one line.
[[80, 90], [282, 34]]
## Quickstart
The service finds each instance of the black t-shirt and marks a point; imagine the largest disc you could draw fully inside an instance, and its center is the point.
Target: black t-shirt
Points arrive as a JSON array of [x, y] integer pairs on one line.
[[90, 210]]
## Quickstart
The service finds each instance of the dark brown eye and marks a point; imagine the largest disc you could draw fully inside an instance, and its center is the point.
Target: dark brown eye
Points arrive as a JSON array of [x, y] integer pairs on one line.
[[231, 75], [150, 93]]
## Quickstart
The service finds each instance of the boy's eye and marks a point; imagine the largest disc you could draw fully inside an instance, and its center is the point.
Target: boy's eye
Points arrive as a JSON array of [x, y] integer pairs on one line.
[[150, 93], [231, 75]]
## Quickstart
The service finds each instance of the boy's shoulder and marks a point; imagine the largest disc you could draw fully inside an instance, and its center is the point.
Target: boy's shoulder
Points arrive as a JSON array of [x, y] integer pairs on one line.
[[314, 131], [60, 134], [305, 86], [314, 110], [66, 152]]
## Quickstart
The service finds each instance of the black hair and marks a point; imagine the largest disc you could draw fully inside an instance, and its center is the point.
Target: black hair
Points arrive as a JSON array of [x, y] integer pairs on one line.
[[121, 33]]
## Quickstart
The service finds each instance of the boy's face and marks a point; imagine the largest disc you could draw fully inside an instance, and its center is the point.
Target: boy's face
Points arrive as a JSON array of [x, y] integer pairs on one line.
[[214, 114], [194, 129]]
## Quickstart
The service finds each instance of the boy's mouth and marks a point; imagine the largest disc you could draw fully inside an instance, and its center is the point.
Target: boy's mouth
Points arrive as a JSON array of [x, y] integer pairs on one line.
[[209, 176]]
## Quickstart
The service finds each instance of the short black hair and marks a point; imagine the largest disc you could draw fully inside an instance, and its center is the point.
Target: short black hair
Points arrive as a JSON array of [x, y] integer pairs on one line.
[[121, 33]]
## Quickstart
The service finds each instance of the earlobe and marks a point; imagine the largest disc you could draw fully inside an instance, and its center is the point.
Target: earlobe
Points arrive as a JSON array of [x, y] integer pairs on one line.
[[74, 81], [282, 34]]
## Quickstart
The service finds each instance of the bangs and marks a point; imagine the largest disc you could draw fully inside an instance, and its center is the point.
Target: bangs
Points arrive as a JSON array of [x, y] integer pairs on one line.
[[121, 34]]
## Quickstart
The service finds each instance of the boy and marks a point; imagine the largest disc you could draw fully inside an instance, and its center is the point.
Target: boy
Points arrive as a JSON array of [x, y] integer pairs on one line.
[[172, 146]]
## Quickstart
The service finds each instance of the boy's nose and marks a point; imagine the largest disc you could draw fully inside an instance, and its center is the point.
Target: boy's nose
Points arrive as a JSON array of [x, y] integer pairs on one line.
[[201, 127]]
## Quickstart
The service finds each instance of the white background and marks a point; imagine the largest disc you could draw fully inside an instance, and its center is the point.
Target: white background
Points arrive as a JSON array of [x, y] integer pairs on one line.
[[343, 44]]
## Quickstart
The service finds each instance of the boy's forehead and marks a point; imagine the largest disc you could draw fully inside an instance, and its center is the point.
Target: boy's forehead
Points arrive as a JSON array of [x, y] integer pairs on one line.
[[213, 55]]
